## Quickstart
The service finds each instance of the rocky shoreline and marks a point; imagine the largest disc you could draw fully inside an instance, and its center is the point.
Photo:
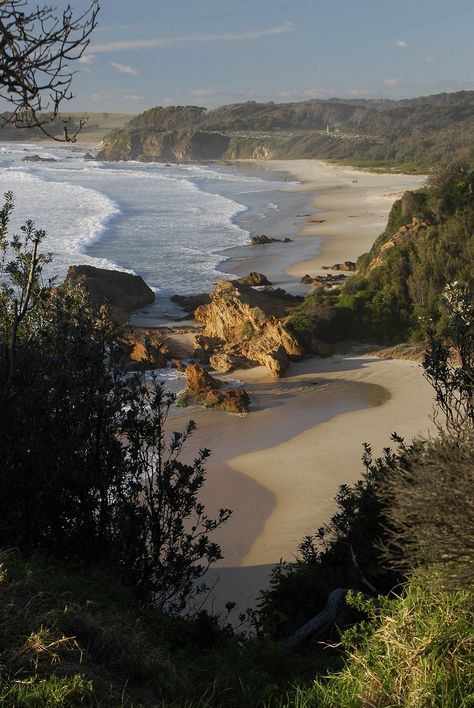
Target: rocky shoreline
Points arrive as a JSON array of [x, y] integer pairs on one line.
[[238, 325]]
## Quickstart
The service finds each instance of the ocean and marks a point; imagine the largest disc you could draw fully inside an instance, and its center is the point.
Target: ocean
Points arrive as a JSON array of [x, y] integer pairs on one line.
[[171, 224]]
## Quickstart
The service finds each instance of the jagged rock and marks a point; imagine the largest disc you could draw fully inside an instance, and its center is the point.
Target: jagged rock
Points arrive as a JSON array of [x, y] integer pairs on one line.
[[204, 347], [179, 365], [88, 156], [251, 323], [143, 349], [346, 265], [201, 387], [38, 158], [253, 279], [262, 240], [233, 400], [122, 292], [199, 381], [146, 353], [224, 362], [189, 302]]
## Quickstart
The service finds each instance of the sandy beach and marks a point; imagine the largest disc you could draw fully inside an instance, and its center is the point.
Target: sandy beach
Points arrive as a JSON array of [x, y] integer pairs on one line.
[[350, 209], [280, 467]]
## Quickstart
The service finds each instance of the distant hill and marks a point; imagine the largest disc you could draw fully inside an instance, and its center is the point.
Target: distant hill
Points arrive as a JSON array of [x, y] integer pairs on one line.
[[96, 127], [414, 134]]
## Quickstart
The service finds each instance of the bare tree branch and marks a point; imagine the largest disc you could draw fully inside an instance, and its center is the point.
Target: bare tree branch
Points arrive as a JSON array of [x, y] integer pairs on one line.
[[35, 50]]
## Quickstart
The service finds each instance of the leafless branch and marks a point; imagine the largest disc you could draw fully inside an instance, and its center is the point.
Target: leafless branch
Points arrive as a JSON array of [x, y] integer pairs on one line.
[[35, 50]]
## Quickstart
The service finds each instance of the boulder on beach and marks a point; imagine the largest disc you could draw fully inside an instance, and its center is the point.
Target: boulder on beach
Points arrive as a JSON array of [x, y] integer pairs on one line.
[[262, 240], [346, 265], [225, 361], [121, 292], [38, 158], [203, 388], [254, 279]]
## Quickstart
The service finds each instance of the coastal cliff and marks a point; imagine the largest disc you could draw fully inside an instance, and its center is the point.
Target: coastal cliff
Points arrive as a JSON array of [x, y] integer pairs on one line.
[[366, 132]]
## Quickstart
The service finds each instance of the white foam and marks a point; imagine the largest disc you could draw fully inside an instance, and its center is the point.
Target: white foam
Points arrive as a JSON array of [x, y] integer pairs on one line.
[[72, 216]]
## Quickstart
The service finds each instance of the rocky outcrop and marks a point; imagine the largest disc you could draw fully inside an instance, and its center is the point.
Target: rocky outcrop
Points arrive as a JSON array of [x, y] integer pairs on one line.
[[38, 158], [188, 144], [405, 235], [143, 350], [262, 240], [349, 266], [224, 362], [250, 324], [190, 302], [121, 292], [323, 281], [204, 389], [254, 279]]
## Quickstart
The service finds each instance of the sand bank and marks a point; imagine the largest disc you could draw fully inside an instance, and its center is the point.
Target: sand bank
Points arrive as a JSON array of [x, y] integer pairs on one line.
[[352, 210], [280, 467]]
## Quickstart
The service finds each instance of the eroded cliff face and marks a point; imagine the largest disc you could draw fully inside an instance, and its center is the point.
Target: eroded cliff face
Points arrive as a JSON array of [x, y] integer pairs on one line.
[[250, 324], [172, 146]]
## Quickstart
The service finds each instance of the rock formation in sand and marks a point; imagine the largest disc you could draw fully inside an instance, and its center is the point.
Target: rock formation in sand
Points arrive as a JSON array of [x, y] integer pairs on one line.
[[262, 240], [254, 279], [203, 388], [250, 324], [346, 265]]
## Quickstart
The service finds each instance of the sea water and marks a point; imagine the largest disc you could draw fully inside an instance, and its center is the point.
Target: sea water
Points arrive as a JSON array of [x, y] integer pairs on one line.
[[171, 224]]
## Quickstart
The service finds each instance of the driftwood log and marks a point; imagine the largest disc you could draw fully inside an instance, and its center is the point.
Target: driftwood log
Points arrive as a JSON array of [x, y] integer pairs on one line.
[[320, 622]]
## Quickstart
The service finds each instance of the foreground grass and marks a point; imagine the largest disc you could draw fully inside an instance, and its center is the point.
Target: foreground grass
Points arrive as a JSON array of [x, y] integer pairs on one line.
[[417, 651], [73, 636]]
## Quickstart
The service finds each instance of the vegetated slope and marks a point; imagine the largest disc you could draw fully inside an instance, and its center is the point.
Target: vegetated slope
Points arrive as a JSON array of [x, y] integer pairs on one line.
[[414, 133], [428, 243]]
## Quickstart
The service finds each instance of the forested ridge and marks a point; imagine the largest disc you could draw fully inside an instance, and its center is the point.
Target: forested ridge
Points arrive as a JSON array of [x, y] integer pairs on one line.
[[413, 134]]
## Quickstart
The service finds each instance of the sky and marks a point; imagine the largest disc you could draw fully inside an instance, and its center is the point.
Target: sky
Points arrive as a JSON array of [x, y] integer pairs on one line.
[[146, 53]]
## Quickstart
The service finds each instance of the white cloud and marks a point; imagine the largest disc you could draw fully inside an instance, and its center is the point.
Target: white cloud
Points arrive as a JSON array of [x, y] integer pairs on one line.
[[135, 97], [203, 93], [123, 68], [391, 82], [86, 59], [168, 101], [188, 39], [400, 44], [430, 60]]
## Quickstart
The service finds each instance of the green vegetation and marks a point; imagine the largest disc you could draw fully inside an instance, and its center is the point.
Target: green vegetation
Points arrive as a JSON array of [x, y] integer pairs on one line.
[[89, 472], [415, 650], [428, 243], [412, 135], [110, 537]]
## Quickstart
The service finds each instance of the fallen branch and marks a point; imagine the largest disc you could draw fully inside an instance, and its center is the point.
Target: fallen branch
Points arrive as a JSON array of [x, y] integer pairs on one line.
[[318, 624]]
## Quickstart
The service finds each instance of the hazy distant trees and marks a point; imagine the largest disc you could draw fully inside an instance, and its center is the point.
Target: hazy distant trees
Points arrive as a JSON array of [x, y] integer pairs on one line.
[[36, 46]]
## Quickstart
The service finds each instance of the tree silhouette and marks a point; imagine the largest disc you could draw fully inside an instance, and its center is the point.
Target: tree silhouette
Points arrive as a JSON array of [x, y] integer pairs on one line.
[[36, 47]]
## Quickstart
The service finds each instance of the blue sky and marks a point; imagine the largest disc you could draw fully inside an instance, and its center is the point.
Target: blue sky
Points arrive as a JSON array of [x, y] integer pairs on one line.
[[209, 52]]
